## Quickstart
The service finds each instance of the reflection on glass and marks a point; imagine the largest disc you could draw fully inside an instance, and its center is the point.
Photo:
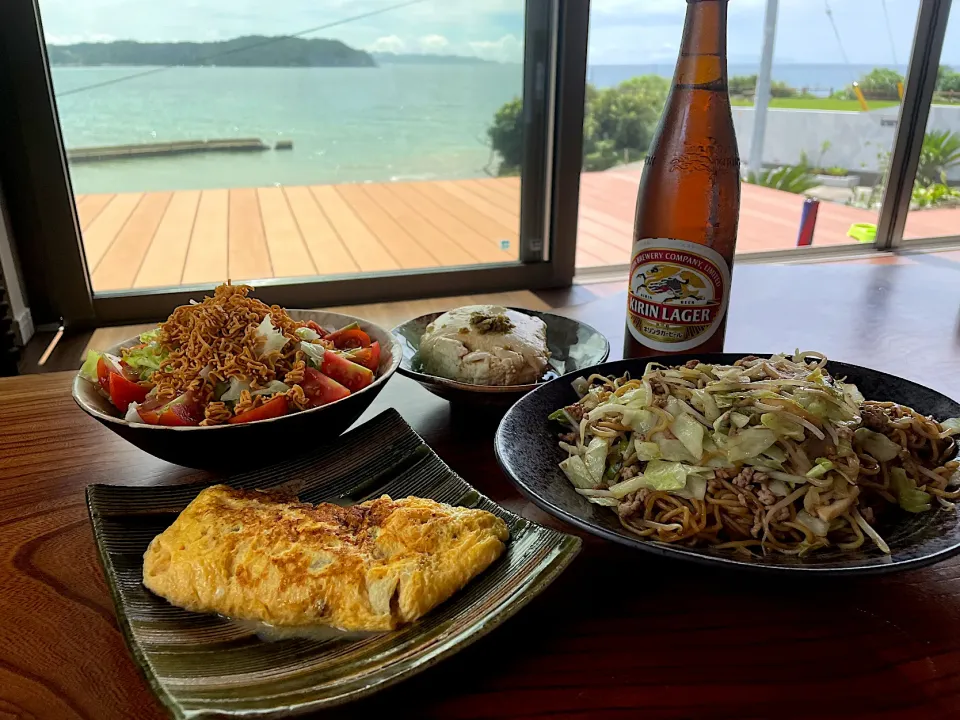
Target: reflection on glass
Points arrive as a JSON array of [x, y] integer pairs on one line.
[[214, 143], [935, 205], [821, 140]]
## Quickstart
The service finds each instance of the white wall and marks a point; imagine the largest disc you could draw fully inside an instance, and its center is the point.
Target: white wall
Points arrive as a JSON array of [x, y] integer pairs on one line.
[[856, 138]]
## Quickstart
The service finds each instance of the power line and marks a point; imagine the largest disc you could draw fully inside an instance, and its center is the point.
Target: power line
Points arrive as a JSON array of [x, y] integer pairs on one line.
[[268, 41], [836, 32], [886, 17]]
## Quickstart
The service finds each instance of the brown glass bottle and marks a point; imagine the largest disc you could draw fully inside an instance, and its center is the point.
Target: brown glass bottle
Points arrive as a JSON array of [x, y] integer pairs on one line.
[[688, 204]]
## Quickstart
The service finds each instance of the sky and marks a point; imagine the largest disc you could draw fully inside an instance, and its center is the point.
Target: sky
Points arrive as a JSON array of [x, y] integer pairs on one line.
[[622, 32]]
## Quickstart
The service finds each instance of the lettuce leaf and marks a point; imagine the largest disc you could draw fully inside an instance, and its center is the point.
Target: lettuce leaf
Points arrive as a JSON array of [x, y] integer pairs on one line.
[[307, 334], [313, 352], [145, 360], [88, 371], [150, 335]]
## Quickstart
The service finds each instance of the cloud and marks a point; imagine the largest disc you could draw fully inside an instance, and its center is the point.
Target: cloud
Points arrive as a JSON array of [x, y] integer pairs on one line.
[[389, 43], [506, 49], [433, 44]]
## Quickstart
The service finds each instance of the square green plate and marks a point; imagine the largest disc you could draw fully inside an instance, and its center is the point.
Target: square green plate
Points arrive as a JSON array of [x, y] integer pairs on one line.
[[205, 666]]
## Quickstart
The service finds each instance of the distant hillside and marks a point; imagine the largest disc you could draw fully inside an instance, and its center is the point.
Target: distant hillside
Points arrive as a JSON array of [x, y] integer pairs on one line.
[[251, 51], [411, 59]]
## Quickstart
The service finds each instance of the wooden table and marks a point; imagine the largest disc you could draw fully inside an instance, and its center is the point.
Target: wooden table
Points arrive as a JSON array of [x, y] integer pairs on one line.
[[620, 635]]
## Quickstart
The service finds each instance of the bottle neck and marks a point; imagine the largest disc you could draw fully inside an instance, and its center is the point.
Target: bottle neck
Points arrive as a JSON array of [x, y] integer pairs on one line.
[[703, 51]]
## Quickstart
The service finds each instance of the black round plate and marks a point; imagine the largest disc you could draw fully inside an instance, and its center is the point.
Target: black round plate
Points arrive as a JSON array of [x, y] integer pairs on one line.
[[527, 449]]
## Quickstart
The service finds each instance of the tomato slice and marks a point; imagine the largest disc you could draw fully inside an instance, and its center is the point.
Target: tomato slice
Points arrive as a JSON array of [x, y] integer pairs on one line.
[[369, 357], [123, 391], [321, 389], [272, 409], [316, 328], [182, 411], [349, 374], [150, 411], [349, 337]]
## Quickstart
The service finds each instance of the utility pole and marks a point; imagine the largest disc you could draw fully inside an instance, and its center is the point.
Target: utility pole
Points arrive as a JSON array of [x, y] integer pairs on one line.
[[761, 98]]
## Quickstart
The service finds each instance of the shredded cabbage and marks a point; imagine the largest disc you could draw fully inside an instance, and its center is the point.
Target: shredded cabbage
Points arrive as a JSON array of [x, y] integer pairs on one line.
[[690, 433], [876, 444], [818, 527], [274, 386], [783, 428], [673, 450], [749, 443], [822, 467], [576, 471], [273, 340], [951, 426], [910, 498], [596, 459], [665, 476], [647, 450]]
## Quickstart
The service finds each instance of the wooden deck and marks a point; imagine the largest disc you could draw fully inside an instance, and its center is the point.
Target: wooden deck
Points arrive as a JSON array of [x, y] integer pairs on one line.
[[150, 239]]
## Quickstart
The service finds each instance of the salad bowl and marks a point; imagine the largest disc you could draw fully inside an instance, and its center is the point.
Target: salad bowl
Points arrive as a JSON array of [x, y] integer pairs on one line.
[[252, 444]]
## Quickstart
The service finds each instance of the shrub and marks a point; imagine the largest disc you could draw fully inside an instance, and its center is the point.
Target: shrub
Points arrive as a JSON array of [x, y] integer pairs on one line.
[[939, 154], [790, 178]]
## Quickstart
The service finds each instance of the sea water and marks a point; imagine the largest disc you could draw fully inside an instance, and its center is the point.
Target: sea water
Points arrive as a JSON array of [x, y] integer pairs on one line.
[[392, 123]]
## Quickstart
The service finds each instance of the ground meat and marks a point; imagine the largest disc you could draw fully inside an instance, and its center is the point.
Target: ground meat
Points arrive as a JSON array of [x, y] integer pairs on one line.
[[747, 477], [629, 471], [632, 503], [765, 496], [576, 411], [867, 514], [874, 418], [658, 389], [742, 361], [691, 364], [724, 474], [570, 437]]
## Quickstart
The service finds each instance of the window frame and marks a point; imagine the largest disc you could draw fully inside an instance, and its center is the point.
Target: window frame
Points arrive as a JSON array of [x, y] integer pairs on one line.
[[44, 221]]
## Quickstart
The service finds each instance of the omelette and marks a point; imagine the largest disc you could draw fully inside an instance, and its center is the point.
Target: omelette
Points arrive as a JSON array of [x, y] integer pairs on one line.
[[259, 556]]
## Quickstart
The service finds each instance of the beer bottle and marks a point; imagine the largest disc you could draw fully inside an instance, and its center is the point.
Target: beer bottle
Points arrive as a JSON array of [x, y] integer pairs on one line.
[[688, 204]]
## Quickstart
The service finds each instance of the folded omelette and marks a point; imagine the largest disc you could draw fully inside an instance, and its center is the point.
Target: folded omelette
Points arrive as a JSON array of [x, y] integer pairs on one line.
[[258, 556]]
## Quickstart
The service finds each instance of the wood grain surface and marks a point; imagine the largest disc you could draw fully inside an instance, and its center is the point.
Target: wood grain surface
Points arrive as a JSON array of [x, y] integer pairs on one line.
[[620, 635]]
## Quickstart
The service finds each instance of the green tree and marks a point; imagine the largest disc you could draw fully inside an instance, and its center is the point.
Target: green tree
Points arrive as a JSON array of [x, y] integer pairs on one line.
[[627, 115], [618, 124], [948, 79], [881, 84], [741, 85], [506, 136]]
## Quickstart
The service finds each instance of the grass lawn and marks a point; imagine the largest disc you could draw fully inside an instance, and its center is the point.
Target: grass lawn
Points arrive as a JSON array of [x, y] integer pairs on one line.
[[819, 103]]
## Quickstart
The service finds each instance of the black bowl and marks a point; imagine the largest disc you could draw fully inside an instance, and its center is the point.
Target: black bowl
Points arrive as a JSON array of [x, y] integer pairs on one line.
[[527, 449], [247, 445], [573, 345]]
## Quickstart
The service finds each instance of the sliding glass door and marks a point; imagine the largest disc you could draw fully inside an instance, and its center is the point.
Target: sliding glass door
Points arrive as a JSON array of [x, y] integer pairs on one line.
[[326, 152]]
